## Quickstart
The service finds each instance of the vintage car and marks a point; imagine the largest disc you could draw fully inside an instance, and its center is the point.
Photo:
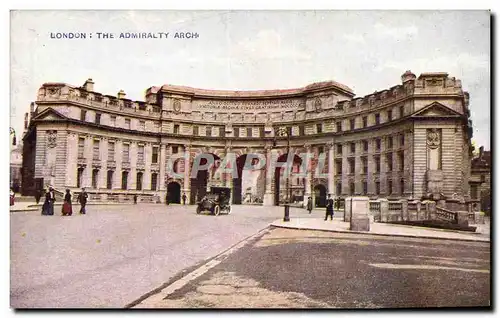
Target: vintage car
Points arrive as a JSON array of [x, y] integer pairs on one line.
[[216, 201]]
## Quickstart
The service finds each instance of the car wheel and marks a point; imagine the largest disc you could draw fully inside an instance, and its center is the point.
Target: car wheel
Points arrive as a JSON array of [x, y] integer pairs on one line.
[[216, 210], [198, 210]]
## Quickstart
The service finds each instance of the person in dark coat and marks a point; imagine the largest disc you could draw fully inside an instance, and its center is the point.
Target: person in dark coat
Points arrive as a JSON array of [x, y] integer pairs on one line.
[[329, 208], [82, 198], [309, 204], [67, 208], [48, 205], [38, 196], [337, 203], [184, 197], [135, 198]]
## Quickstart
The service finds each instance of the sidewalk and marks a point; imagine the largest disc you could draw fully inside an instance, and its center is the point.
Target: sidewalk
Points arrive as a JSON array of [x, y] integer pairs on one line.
[[32, 206], [386, 229]]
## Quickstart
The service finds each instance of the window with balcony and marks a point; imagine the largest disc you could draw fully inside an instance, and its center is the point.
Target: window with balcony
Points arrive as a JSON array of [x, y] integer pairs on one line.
[[339, 149], [339, 126], [140, 154], [139, 181], [208, 131], [127, 123], [377, 119], [154, 181], [249, 132], [125, 153], [154, 157], [109, 179], [81, 147], [176, 129], [111, 151], [352, 124], [98, 118], [124, 180], [352, 147], [95, 151], [83, 115], [365, 122], [319, 128], [377, 187]]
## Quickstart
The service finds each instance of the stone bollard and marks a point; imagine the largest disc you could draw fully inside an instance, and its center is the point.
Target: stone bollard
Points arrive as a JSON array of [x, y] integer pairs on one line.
[[347, 209], [360, 220], [463, 218], [404, 210], [478, 217], [384, 210]]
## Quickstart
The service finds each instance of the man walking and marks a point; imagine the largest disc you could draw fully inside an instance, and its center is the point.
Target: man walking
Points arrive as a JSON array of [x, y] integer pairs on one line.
[[184, 197], [329, 208], [309, 204], [82, 198]]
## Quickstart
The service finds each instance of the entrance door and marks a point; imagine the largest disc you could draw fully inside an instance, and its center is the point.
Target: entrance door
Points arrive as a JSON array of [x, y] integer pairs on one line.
[[174, 192], [320, 196]]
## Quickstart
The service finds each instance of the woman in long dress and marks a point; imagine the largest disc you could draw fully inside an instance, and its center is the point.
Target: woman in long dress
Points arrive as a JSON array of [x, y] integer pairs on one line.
[[67, 208], [45, 206]]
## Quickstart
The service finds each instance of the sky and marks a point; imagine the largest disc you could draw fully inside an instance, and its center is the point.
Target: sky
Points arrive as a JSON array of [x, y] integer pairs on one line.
[[241, 50]]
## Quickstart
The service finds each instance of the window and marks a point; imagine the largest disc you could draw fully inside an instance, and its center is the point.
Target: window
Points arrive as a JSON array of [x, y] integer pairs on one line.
[[353, 147], [142, 125], [125, 153], [157, 126], [175, 149], [208, 131], [154, 157], [113, 121], [109, 179], [377, 119], [111, 151], [338, 166], [389, 161], [81, 147], [352, 124], [473, 192], [339, 149], [222, 131], [378, 143], [339, 188], [140, 154], [95, 175], [351, 165], [289, 131], [402, 140], [176, 129], [389, 115], [301, 130], [139, 181], [389, 187], [236, 131], [365, 187], [127, 123], [319, 128], [98, 118], [402, 186], [124, 180], [249, 132], [365, 122], [195, 131], [339, 126], [389, 142], [79, 175], [364, 162], [154, 181], [483, 178], [321, 149], [365, 145], [401, 159], [83, 115], [95, 151], [401, 111], [351, 188], [377, 187], [261, 131], [377, 164]]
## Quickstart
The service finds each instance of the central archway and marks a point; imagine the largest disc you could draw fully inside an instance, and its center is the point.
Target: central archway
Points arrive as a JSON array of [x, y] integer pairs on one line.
[[200, 182], [296, 185], [248, 186], [320, 196], [174, 192]]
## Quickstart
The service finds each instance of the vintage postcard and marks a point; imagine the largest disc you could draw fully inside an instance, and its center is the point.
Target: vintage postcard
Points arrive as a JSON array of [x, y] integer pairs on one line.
[[250, 159]]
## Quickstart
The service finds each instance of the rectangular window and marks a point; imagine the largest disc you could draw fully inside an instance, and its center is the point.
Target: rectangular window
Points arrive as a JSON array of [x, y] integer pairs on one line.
[[389, 115], [377, 188], [402, 186], [321, 149], [109, 179], [402, 140], [339, 188], [351, 188], [195, 131], [338, 167], [249, 132], [175, 149], [389, 161], [176, 129], [154, 157], [142, 125], [377, 119], [125, 153], [236, 131], [351, 165], [365, 145], [81, 147], [124, 180], [390, 142], [289, 131], [364, 162], [111, 151], [83, 115], [95, 151], [401, 111], [352, 124], [365, 122], [365, 187], [377, 164], [319, 128], [98, 118], [113, 121], [401, 160], [95, 176], [154, 181], [138, 184], [353, 147], [261, 131], [474, 192], [339, 126], [301, 130], [339, 149], [157, 126], [389, 187], [127, 123], [208, 131], [378, 144], [140, 154], [222, 131]]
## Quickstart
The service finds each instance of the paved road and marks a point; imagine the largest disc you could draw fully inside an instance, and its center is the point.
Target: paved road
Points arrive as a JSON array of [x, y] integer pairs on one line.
[[311, 269], [115, 254]]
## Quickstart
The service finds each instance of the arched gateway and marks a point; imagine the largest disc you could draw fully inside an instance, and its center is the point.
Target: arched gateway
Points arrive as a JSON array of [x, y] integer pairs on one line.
[[116, 147]]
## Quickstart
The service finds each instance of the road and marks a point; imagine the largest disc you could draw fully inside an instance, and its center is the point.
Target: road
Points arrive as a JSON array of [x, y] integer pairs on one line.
[[115, 254], [310, 269]]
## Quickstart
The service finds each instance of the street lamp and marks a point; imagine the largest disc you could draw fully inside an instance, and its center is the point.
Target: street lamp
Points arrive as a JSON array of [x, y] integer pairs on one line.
[[284, 132]]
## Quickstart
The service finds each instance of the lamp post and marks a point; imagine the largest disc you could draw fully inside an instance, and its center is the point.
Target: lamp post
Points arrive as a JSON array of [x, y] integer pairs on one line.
[[284, 132]]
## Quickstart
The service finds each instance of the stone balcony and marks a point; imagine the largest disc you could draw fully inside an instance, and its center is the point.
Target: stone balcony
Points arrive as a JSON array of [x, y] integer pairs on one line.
[[111, 164], [125, 164], [140, 165], [155, 167], [96, 162], [82, 161]]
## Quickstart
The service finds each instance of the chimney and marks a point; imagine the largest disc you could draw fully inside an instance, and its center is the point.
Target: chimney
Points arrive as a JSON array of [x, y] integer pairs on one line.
[[121, 94], [481, 152], [32, 109], [89, 85], [407, 76]]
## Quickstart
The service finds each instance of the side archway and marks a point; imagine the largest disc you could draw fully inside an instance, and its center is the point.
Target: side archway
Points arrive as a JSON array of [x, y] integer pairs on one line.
[[174, 192]]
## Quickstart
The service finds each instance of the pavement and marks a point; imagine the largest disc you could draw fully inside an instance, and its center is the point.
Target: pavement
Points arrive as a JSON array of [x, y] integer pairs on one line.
[[28, 206]]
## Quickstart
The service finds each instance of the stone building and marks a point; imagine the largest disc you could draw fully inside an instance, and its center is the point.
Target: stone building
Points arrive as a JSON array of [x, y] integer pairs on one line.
[[411, 140], [480, 180]]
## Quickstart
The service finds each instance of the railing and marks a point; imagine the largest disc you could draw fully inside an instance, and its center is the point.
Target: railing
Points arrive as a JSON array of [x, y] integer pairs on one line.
[[395, 206], [446, 215], [374, 206]]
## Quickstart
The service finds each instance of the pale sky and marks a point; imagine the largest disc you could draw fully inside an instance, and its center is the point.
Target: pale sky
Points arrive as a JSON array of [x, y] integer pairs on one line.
[[241, 50]]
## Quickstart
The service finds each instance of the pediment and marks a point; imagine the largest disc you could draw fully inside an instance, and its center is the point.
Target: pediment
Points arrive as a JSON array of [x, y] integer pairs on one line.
[[49, 114], [436, 110]]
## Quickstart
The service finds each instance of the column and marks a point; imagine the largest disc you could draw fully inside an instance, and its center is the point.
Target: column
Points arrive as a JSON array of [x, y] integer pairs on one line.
[[309, 173], [331, 185], [187, 173], [87, 173], [148, 150], [132, 177], [72, 162], [163, 164], [103, 171], [268, 194], [117, 175], [229, 176]]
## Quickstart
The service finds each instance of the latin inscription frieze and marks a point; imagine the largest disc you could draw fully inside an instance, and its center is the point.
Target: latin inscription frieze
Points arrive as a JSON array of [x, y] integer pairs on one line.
[[252, 105]]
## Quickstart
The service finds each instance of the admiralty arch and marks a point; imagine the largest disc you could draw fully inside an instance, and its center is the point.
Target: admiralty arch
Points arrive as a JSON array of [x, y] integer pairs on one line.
[[412, 140]]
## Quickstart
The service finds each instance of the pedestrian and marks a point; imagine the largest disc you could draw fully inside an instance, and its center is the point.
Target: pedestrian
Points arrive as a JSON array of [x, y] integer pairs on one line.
[[12, 196], [309, 204], [166, 199], [48, 205], [67, 208], [337, 204], [184, 197], [38, 196], [82, 198], [329, 208], [135, 198]]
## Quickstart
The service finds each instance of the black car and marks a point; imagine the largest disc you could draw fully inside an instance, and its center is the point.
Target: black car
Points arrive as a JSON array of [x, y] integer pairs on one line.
[[216, 201]]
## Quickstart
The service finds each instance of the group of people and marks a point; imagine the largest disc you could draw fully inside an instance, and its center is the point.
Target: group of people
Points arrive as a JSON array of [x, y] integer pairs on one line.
[[330, 205], [67, 207]]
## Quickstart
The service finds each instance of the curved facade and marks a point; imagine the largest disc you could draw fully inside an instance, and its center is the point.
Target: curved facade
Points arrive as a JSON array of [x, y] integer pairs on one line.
[[408, 141]]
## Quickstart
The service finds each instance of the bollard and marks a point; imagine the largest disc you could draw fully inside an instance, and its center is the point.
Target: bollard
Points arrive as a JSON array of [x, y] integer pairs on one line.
[[286, 218]]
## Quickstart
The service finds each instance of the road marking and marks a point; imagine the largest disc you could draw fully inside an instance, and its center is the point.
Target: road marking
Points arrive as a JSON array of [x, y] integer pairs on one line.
[[415, 266]]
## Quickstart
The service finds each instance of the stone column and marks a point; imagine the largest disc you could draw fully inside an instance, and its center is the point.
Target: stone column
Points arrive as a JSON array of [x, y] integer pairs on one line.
[[163, 168], [384, 210], [331, 185], [347, 209], [309, 174], [117, 175], [404, 210], [187, 173], [268, 194], [132, 180], [228, 178]]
